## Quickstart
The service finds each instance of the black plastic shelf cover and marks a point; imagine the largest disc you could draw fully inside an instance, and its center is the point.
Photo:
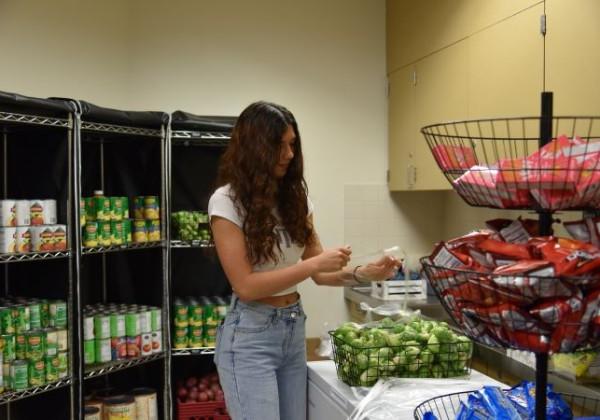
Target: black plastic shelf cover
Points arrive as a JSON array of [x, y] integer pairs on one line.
[[181, 120], [140, 119], [20, 104]]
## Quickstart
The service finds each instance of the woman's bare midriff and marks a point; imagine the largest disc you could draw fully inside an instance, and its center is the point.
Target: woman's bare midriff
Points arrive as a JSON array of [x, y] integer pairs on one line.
[[281, 301]]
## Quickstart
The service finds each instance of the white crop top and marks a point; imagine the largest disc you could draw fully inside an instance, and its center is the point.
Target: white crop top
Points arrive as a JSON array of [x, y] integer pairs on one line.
[[221, 204]]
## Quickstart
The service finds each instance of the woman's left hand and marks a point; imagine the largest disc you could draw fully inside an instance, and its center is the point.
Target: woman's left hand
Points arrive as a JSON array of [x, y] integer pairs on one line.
[[384, 268]]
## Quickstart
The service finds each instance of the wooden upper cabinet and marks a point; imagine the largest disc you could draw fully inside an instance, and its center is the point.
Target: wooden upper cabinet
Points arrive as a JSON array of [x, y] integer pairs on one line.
[[573, 56]]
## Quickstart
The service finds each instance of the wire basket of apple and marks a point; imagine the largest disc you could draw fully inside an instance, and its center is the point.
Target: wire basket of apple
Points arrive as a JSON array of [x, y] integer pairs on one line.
[[201, 398]]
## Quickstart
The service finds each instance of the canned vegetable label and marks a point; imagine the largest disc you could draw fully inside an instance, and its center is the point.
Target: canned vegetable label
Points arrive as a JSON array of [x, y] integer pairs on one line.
[[37, 372], [151, 208], [127, 238], [44, 312], [117, 325], [81, 212], [181, 315], [104, 229], [103, 353], [116, 208], [134, 346], [102, 206], [116, 232], [140, 234], [90, 209], [51, 342], [22, 320], [118, 348], [90, 234], [51, 364], [132, 324], [23, 239], [19, 375], [88, 328], [153, 230], [138, 207], [20, 346], [63, 339], [89, 352], [36, 212], [60, 238], [22, 212], [145, 321], [58, 314], [36, 345], [156, 342], [6, 375], [42, 238], [146, 344], [156, 319], [6, 320], [35, 316], [195, 314], [181, 337], [7, 344], [196, 336], [63, 364], [102, 326]]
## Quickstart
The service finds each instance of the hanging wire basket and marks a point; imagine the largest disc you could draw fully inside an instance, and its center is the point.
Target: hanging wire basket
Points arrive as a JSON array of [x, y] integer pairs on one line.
[[445, 407], [498, 163], [523, 312]]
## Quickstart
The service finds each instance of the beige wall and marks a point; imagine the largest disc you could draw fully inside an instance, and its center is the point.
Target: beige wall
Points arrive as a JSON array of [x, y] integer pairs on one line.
[[323, 60]]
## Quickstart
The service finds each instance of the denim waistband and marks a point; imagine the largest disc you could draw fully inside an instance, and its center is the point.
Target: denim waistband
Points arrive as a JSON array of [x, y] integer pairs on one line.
[[287, 311]]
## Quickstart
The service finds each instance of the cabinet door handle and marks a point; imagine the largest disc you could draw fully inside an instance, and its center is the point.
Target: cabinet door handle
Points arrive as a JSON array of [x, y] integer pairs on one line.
[[411, 175]]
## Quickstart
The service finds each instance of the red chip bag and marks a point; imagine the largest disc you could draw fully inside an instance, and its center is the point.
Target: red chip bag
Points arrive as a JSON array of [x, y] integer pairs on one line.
[[530, 341], [553, 311], [516, 251], [506, 315], [573, 330], [451, 157]]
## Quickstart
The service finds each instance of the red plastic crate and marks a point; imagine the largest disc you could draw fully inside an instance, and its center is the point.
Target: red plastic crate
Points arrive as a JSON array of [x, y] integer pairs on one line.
[[209, 410]]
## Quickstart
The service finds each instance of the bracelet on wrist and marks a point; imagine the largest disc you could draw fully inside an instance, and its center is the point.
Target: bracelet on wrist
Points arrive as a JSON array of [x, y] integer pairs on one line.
[[355, 277]]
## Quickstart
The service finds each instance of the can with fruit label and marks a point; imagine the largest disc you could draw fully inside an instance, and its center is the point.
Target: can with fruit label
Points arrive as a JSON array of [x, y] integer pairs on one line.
[[91, 234], [8, 240], [63, 364], [116, 232], [118, 348], [37, 372], [42, 238], [8, 215], [156, 342], [138, 207], [104, 232], [60, 237], [116, 208], [23, 239], [90, 209], [140, 234], [134, 346], [51, 363], [146, 348], [22, 213]]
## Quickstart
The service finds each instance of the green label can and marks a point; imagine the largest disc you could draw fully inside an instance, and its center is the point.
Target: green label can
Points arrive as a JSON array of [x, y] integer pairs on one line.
[[116, 232], [195, 314], [81, 212], [153, 230], [140, 234], [7, 344], [63, 364], [125, 201], [138, 207], [51, 341], [35, 345], [132, 324], [88, 327], [20, 346], [90, 209], [181, 314], [102, 352], [58, 314], [116, 208], [156, 319], [127, 238], [35, 316], [51, 363], [19, 377], [90, 234], [102, 326], [104, 229], [22, 322], [210, 316], [37, 372], [102, 206], [6, 320], [151, 207], [45, 312], [89, 352], [181, 337], [6, 375], [145, 321], [196, 338], [117, 325], [63, 339], [221, 308]]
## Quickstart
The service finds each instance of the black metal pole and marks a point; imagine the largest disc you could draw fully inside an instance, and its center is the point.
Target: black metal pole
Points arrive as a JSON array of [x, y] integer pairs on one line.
[[545, 226]]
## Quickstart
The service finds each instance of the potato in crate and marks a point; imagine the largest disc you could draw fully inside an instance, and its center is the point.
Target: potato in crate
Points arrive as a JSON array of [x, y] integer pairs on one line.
[[417, 349]]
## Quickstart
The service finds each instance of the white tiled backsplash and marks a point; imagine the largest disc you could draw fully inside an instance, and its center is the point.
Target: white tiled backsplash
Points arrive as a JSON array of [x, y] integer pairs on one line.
[[375, 219]]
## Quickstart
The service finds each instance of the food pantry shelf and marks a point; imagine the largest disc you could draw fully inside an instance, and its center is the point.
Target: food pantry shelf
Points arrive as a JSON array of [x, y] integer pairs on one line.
[[197, 351], [197, 138], [33, 119], [104, 368], [11, 396], [120, 129], [191, 244], [116, 248], [33, 256]]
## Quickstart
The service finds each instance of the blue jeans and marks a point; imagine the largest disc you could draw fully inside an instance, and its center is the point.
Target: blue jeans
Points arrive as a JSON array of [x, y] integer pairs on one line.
[[261, 360]]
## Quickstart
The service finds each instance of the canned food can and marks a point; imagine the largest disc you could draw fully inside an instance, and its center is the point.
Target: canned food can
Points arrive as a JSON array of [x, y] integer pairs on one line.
[[8, 240], [156, 319], [51, 341], [49, 212], [138, 207], [181, 337], [22, 213], [117, 325], [151, 207], [36, 212], [221, 308], [91, 413], [35, 345], [37, 372], [140, 234], [195, 314], [90, 209], [104, 232], [88, 327], [19, 375], [116, 208], [127, 238], [63, 339], [23, 239], [22, 318], [153, 230], [145, 321], [82, 215], [156, 342], [2, 387], [51, 364], [146, 348], [6, 320], [121, 407], [42, 238], [125, 201], [209, 314], [134, 346], [181, 314], [116, 232], [91, 234], [196, 336], [7, 345], [63, 364], [146, 407], [118, 347], [44, 312], [102, 206], [210, 341], [20, 346], [102, 350], [58, 313], [8, 216], [102, 326], [6, 375], [89, 352], [35, 316], [132, 324], [60, 237]]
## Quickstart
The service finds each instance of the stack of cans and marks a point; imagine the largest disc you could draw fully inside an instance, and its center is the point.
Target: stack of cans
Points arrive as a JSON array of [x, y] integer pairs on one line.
[[119, 331], [30, 225], [196, 319], [33, 342]]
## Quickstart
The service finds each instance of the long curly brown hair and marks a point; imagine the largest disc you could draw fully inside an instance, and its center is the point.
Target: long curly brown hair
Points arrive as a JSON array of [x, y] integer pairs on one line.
[[248, 166]]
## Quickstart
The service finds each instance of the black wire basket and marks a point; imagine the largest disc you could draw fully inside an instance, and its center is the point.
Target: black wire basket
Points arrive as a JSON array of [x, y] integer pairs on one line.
[[445, 407], [523, 312], [498, 162]]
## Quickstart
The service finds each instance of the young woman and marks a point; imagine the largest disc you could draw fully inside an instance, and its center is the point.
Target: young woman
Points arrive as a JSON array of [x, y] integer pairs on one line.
[[262, 224]]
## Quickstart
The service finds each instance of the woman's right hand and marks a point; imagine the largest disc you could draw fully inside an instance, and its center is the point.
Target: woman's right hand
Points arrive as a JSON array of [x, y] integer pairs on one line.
[[333, 259]]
